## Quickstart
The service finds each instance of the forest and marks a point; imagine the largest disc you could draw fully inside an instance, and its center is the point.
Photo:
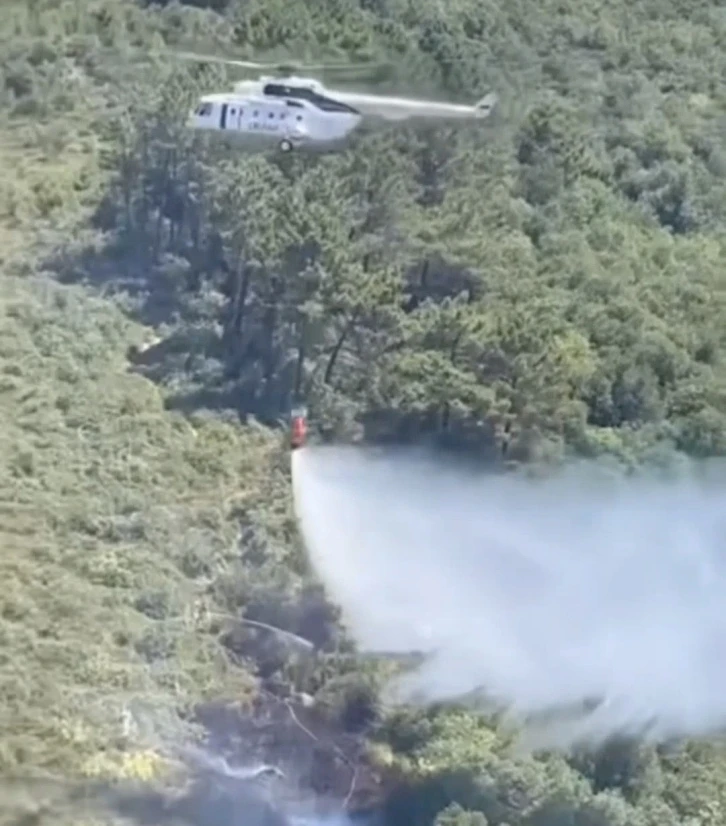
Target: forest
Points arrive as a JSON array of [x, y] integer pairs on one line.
[[545, 285]]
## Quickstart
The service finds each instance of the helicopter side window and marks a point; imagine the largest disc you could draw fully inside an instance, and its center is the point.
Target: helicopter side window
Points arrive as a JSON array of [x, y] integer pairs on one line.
[[293, 104]]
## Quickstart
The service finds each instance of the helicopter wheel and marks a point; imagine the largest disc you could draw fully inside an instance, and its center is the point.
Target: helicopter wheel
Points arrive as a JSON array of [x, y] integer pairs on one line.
[[286, 145]]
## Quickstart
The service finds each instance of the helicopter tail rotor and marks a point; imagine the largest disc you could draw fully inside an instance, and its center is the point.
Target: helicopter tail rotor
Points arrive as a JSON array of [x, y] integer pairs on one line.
[[485, 105]]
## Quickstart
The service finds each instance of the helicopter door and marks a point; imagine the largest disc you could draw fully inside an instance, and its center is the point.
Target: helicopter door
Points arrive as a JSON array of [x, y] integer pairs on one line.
[[234, 118], [223, 117]]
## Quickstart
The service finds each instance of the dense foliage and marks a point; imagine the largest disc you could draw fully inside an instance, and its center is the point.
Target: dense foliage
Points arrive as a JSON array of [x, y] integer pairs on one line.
[[548, 282]]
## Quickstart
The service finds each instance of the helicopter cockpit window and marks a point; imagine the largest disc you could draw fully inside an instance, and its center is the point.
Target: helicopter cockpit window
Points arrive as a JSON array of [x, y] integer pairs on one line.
[[204, 110]]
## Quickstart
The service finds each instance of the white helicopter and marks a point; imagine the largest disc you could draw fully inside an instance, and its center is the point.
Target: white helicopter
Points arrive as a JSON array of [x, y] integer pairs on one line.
[[293, 112]]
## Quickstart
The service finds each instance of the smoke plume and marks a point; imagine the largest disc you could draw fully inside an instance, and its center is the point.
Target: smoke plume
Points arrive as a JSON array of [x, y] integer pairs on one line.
[[587, 587]]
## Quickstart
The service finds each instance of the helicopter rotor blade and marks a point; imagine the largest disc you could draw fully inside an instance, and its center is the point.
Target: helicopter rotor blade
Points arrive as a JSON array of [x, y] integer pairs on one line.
[[227, 61], [280, 67]]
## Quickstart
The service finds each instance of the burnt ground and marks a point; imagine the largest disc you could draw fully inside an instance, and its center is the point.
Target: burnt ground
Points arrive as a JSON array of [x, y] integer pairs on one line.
[[325, 770], [319, 772]]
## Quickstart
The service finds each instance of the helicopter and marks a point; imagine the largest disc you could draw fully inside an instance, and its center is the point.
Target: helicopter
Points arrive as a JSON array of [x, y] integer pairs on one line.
[[290, 111]]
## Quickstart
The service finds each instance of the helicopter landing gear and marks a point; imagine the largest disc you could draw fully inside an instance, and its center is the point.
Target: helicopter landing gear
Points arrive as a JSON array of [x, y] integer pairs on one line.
[[286, 145]]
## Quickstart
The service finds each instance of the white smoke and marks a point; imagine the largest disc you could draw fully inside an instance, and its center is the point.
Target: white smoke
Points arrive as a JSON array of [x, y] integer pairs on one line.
[[545, 593]]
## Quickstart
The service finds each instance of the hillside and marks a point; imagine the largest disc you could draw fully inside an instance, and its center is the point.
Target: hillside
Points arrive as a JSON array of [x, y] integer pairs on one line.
[[548, 284]]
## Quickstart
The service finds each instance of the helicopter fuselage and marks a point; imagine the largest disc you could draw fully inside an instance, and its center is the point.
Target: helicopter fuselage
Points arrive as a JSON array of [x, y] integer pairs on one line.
[[258, 121], [301, 113]]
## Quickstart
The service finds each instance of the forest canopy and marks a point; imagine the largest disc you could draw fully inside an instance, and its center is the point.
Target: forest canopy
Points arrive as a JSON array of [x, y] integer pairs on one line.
[[548, 283]]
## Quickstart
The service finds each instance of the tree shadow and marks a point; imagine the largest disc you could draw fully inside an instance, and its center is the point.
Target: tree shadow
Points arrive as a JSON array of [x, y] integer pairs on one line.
[[185, 308], [153, 292]]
